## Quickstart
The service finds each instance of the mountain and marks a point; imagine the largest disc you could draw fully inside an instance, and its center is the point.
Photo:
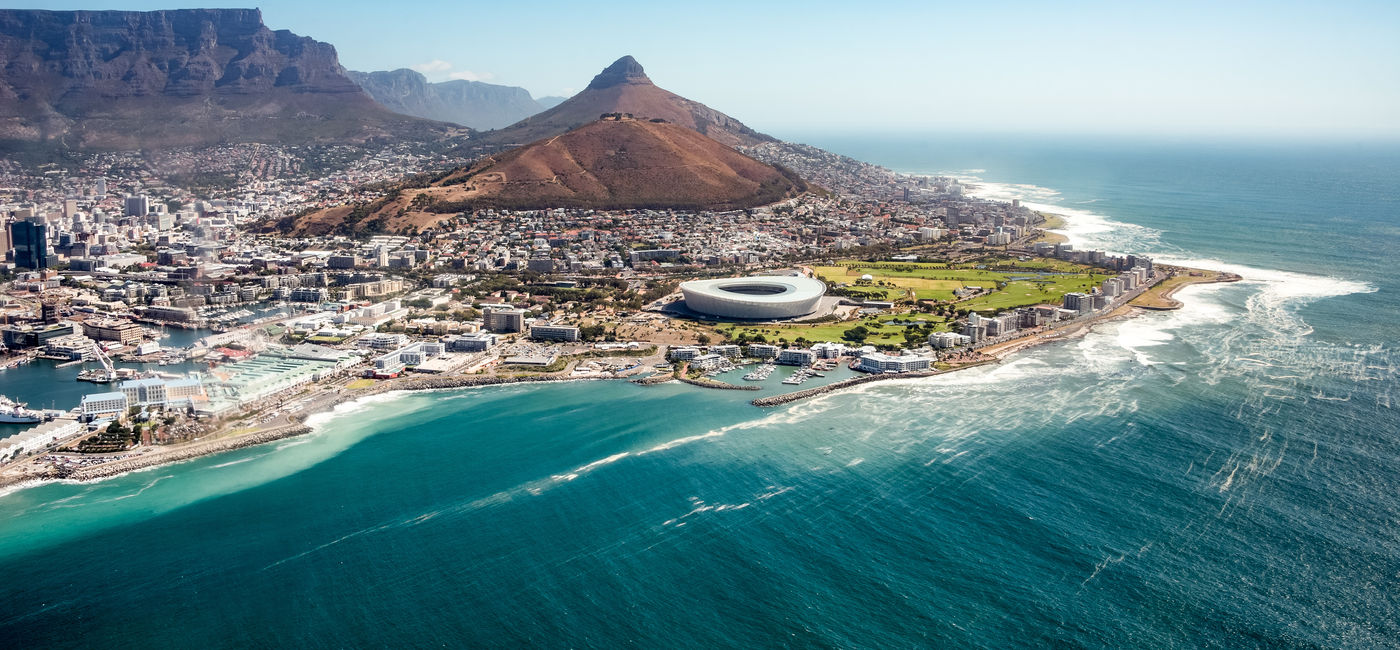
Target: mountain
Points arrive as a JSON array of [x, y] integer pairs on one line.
[[187, 77], [469, 103], [550, 101], [611, 164], [624, 87]]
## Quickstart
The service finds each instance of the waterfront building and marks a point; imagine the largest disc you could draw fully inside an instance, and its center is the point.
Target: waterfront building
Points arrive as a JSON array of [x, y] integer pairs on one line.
[[976, 327], [729, 350], [547, 332], [683, 353], [267, 374], [945, 340], [1112, 287], [879, 362], [122, 331], [762, 351], [308, 294], [170, 314], [706, 361], [471, 342], [796, 357], [28, 336], [72, 347], [1079, 302], [827, 350], [97, 406]]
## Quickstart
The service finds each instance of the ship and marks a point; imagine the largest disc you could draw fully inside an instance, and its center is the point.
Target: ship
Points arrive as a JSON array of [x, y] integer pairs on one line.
[[12, 412]]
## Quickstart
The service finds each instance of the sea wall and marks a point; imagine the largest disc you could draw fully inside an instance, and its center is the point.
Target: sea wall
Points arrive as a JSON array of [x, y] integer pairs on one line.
[[185, 453], [710, 383], [776, 400]]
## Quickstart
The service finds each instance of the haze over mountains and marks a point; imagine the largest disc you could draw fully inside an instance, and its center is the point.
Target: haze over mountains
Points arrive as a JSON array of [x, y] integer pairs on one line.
[[188, 77], [473, 104]]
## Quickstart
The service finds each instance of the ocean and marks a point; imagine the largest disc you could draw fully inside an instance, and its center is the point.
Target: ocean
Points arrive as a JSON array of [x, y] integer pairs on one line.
[[1223, 474]]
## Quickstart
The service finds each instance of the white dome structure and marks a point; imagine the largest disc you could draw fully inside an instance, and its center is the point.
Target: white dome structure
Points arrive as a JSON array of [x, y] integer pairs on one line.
[[757, 297]]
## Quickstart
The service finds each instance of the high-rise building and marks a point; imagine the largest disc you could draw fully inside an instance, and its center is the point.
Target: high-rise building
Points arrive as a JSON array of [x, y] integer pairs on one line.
[[31, 244], [137, 206], [101, 187]]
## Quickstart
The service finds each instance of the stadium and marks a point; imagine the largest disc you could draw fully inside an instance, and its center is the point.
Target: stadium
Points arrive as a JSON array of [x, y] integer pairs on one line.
[[754, 298]]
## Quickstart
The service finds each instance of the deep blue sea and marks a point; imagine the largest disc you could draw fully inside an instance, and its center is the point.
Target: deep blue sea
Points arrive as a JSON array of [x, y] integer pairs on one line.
[[1224, 475]]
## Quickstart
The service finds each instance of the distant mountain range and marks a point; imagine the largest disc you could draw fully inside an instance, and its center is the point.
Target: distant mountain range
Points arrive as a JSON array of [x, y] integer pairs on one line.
[[624, 87], [468, 103], [129, 80]]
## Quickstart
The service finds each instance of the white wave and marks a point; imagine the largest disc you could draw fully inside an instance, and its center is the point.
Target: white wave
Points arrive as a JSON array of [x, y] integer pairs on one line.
[[682, 441], [235, 462], [318, 420]]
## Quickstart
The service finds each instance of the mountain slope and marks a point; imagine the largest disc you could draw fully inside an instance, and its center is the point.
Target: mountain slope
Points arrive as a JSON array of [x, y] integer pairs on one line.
[[130, 79], [624, 87], [611, 164], [469, 103]]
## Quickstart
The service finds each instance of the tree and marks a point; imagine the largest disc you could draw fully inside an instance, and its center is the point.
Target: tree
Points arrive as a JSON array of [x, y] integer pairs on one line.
[[856, 334], [704, 339]]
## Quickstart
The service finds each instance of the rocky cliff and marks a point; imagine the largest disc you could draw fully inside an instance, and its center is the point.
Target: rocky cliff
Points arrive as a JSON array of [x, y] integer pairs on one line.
[[128, 79]]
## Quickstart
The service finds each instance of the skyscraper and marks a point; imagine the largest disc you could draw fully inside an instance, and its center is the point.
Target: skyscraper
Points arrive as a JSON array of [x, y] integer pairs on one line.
[[137, 206], [31, 244]]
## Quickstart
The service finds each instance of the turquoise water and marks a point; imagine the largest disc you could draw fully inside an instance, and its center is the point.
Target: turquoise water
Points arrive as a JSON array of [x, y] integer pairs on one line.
[[1223, 474]]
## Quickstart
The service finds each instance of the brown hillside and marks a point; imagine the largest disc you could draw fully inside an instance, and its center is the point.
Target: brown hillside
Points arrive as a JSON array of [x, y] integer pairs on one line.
[[624, 87], [611, 164]]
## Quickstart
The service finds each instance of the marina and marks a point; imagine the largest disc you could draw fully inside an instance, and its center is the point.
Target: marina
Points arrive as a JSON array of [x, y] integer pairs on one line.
[[761, 373]]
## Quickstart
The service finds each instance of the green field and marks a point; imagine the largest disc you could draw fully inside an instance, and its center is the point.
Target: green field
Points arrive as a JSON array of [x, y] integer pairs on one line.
[[883, 329], [932, 281], [1014, 283]]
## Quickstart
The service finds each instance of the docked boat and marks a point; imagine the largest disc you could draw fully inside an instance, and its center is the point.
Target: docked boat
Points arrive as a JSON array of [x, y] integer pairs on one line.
[[761, 373], [12, 412]]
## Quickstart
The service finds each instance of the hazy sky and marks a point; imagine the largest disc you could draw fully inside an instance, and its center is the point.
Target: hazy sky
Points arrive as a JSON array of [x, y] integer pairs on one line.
[[1202, 68]]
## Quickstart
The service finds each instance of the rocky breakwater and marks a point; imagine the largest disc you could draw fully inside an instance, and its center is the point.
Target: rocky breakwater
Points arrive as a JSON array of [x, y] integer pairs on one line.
[[778, 400], [710, 383], [186, 452]]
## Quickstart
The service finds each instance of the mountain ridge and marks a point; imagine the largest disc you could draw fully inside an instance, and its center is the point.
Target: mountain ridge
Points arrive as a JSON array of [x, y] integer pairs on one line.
[[181, 77], [473, 104]]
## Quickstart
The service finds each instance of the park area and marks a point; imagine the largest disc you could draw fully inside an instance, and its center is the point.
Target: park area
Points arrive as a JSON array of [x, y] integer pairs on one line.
[[932, 295]]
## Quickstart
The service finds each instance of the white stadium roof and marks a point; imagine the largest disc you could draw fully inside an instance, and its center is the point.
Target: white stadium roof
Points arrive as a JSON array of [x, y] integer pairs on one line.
[[757, 297]]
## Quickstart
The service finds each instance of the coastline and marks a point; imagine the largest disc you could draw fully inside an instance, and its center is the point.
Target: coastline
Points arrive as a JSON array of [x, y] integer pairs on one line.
[[294, 424]]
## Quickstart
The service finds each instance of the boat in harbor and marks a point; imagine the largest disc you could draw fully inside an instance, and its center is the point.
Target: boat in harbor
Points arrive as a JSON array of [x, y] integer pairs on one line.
[[761, 373], [12, 412]]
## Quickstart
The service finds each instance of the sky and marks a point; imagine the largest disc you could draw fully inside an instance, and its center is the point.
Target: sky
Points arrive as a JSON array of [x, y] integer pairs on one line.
[[1214, 69]]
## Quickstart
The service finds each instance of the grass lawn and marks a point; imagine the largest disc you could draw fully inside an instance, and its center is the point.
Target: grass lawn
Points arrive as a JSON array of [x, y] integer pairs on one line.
[[359, 384], [1014, 283], [882, 329]]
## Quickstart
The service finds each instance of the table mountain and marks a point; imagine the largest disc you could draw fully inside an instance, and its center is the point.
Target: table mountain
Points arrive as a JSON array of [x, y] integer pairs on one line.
[[188, 77]]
